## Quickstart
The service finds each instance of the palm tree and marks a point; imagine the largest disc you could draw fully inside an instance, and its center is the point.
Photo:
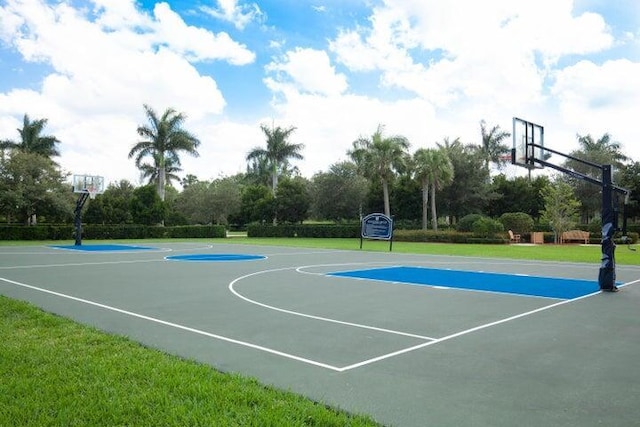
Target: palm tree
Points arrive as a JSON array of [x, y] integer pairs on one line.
[[380, 158], [277, 153], [164, 139], [601, 151], [150, 171], [492, 147], [32, 140], [450, 147], [434, 170]]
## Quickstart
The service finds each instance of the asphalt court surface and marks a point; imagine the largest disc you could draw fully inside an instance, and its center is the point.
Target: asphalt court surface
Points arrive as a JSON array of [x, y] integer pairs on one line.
[[407, 355]]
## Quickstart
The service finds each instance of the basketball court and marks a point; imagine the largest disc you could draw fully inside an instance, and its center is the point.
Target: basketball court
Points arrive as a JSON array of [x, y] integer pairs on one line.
[[412, 340]]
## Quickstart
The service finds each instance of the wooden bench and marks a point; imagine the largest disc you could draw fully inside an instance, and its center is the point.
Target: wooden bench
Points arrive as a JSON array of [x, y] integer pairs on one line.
[[575, 235]]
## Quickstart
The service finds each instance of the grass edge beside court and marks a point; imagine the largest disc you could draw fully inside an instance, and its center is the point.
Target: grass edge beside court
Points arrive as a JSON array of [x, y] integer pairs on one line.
[[548, 252], [58, 372]]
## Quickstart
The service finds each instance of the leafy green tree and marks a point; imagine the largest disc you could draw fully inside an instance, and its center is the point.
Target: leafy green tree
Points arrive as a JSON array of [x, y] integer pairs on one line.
[[146, 206], [192, 203], [493, 148], [293, 200], [94, 211], [381, 158], [117, 200], [277, 153], [111, 207], [406, 201], [517, 195], [31, 183], [188, 180], [257, 204], [629, 178], [163, 140], [173, 216], [339, 193], [224, 199], [32, 140], [434, 170], [561, 208]]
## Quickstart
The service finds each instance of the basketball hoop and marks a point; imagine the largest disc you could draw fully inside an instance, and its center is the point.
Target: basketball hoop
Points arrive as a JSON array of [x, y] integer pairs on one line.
[[88, 184], [93, 191], [505, 158]]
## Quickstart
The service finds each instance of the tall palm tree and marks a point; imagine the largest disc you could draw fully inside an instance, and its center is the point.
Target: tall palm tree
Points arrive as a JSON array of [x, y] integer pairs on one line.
[[150, 172], [380, 157], [163, 138], [32, 140], [434, 170], [277, 153], [493, 147]]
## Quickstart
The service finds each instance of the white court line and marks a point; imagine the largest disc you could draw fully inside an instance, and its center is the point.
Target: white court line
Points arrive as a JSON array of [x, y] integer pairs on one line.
[[431, 341], [177, 326], [471, 330], [309, 316], [79, 264]]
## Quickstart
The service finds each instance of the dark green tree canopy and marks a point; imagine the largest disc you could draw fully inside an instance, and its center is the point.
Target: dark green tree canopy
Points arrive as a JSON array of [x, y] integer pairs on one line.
[[338, 194], [31, 184]]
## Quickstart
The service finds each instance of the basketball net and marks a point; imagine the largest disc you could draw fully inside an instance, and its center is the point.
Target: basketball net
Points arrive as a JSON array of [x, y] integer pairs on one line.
[[93, 192]]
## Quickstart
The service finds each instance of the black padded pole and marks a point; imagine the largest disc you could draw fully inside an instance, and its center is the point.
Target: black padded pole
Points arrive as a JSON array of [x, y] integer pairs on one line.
[[607, 274], [82, 198]]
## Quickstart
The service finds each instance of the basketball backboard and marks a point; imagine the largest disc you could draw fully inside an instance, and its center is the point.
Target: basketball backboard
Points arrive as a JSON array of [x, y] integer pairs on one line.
[[528, 143], [88, 184]]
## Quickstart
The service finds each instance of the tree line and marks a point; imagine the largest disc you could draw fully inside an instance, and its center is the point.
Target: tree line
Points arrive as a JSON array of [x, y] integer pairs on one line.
[[426, 188]]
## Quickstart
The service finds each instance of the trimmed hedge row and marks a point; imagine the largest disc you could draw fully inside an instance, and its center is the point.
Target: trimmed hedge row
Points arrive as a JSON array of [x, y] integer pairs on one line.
[[300, 230], [102, 232], [353, 232], [447, 236]]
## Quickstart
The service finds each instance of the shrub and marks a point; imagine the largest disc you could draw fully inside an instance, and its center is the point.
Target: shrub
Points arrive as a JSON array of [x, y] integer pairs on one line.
[[304, 230], [465, 224], [519, 222], [487, 227]]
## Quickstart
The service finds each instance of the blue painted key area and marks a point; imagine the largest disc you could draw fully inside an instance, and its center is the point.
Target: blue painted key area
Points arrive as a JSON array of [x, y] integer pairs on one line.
[[547, 287]]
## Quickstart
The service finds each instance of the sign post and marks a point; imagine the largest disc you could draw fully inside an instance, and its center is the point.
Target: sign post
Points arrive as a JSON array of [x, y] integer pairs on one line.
[[377, 226]]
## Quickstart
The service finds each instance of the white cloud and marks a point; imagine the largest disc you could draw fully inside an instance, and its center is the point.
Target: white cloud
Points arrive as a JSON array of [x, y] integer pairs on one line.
[[308, 70], [240, 15], [103, 70], [601, 99], [196, 43], [442, 67], [483, 60]]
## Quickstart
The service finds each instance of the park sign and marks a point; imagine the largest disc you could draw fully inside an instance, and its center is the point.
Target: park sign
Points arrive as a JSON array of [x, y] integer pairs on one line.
[[377, 226]]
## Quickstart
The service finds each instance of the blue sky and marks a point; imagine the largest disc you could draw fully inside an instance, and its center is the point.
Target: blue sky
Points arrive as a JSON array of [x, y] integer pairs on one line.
[[334, 69]]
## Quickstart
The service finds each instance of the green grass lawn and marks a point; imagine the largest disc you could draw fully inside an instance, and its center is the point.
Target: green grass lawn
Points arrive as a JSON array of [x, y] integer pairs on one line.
[[57, 372], [547, 252]]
